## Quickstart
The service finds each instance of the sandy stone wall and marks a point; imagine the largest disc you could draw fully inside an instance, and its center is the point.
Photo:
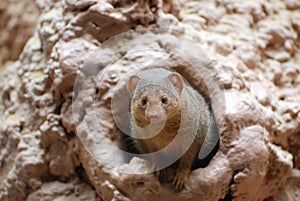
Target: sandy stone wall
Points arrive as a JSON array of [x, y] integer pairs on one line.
[[58, 126], [18, 21]]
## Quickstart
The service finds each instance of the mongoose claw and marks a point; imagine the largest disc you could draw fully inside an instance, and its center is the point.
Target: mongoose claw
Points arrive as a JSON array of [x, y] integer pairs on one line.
[[180, 180]]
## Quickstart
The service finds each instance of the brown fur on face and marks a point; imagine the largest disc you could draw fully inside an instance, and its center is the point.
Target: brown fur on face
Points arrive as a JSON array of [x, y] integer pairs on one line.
[[141, 114]]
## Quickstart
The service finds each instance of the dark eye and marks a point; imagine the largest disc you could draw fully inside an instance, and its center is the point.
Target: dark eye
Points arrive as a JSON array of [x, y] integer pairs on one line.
[[144, 101], [164, 100]]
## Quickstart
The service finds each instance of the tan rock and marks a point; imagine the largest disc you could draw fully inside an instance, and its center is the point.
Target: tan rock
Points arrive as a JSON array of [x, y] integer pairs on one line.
[[64, 104]]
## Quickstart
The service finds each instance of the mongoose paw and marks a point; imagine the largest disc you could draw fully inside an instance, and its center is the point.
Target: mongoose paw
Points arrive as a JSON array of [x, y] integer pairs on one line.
[[180, 179]]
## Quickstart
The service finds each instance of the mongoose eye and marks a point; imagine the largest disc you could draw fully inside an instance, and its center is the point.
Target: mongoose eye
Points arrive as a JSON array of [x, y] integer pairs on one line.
[[144, 101], [164, 100]]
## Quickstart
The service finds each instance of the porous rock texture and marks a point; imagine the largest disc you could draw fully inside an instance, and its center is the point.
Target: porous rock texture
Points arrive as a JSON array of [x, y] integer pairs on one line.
[[17, 23], [57, 131]]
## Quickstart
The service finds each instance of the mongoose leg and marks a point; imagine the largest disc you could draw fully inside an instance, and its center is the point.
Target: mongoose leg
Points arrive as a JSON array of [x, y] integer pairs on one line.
[[184, 168]]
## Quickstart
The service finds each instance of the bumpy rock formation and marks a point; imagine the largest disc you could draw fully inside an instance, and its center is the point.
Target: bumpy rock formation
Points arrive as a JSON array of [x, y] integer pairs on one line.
[[63, 103], [17, 23]]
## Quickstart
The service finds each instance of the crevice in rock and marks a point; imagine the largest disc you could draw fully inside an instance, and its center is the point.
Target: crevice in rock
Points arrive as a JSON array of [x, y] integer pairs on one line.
[[228, 197], [80, 172], [229, 194]]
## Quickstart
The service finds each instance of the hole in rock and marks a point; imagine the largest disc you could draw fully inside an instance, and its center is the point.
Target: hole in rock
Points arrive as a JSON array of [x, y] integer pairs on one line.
[[127, 144]]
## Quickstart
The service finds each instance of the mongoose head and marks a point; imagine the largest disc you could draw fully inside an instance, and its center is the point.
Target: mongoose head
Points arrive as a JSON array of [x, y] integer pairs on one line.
[[155, 96]]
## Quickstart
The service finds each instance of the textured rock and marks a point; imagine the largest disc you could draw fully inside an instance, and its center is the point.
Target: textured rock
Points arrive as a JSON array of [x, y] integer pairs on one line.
[[17, 23], [64, 191], [64, 111]]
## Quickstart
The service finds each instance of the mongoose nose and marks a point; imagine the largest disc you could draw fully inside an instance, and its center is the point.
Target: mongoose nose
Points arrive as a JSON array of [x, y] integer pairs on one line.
[[156, 114]]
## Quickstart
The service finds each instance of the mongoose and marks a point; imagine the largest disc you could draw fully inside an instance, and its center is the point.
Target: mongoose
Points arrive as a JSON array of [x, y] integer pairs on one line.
[[164, 105]]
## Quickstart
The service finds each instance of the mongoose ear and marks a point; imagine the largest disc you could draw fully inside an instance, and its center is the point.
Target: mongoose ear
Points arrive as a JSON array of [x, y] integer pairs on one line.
[[176, 79], [132, 82]]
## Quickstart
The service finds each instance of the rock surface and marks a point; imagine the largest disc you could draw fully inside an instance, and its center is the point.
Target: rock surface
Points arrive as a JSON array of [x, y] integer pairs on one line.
[[17, 23], [63, 103]]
